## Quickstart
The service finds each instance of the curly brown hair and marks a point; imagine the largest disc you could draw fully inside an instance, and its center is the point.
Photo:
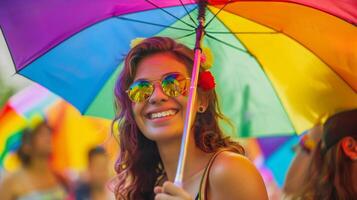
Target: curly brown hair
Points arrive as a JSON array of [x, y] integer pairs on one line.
[[139, 167]]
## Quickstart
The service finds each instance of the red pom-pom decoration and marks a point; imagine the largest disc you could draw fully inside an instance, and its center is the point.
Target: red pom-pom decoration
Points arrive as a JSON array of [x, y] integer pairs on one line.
[[206, 81]]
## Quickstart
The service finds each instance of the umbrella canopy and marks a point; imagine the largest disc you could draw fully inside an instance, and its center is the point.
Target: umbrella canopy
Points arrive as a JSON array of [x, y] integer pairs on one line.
[[69, 127], [281, 66]]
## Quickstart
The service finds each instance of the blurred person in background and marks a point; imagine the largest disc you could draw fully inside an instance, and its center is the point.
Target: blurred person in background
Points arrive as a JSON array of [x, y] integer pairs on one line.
[[332, 172], [35, 179], [299, 166], [93, 185]]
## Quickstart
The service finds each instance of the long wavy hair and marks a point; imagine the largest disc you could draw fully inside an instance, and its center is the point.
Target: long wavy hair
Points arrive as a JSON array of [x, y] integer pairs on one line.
[[329, 176], [139, 167]]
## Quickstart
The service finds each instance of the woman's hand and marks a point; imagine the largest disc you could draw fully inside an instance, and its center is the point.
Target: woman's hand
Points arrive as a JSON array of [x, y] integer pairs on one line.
[[170, 191]]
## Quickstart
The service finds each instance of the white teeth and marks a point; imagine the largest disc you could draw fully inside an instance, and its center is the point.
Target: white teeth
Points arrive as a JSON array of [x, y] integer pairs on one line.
[[162, 114]]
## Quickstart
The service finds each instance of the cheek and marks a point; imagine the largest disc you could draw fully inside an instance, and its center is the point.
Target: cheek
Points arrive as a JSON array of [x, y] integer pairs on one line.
[[183, 100], [136, 110]]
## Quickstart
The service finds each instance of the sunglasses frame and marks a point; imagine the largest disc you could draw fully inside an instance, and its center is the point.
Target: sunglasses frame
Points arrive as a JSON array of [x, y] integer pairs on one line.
[[152, 84]]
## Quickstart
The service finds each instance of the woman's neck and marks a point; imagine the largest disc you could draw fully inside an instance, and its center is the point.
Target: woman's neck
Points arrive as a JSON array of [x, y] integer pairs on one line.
[[169, 154], [39, 164], [196, 159]]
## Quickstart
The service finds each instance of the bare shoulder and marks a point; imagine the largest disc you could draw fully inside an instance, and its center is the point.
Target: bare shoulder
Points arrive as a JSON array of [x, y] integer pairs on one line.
[[233, 176], [10, 187]]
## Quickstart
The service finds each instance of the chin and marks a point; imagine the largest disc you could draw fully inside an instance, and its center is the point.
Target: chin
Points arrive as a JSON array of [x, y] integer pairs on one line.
[[163, 134]]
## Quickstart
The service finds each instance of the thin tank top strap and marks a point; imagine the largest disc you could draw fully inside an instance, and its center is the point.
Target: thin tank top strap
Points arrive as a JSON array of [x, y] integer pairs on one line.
[[202, 193]]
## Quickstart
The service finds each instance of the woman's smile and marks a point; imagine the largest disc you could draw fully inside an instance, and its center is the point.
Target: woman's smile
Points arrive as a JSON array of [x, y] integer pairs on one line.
[[162, 114]]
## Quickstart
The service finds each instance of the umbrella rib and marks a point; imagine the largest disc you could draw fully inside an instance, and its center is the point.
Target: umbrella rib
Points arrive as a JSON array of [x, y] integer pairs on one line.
[[188, 13], [215, 15], [169, 14], [223, 42], [242, 32], [181, 37], [154, 24], [7, 46]]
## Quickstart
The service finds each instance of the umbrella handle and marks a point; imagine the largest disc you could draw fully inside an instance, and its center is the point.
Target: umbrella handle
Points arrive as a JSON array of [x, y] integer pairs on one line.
[[192, 93], [188, 119]]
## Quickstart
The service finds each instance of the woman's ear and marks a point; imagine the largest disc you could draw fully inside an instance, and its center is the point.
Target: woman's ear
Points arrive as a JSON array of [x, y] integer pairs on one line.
[[349, 147]]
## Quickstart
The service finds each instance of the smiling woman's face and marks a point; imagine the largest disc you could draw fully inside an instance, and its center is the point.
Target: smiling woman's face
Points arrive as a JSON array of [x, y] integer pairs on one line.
[[161, 117]]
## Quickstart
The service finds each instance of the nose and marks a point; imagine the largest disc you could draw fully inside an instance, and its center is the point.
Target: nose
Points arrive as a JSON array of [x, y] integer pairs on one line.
[[158, 95]]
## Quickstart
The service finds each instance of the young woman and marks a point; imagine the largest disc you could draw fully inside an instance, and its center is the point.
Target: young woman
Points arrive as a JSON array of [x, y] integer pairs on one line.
[[333, 169], [151, 95], [35, 180]]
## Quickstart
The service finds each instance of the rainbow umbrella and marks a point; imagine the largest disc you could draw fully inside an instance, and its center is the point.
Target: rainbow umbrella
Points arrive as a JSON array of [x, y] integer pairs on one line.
[[73, 134], [281, 66]]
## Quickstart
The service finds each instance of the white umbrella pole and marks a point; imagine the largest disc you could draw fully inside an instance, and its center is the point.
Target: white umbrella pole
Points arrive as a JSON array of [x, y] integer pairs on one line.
[[192, 94]]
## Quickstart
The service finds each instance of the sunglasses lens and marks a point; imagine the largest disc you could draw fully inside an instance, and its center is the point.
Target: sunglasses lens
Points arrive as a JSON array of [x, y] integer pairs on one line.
[[140, 91], [172, 85], [175, 84]]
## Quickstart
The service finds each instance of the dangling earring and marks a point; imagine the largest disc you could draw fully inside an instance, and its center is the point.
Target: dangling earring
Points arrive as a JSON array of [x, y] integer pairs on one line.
[[201, 109]]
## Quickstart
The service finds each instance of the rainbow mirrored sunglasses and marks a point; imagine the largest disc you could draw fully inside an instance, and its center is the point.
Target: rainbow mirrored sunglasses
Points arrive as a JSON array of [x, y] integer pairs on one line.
[[172, 85]]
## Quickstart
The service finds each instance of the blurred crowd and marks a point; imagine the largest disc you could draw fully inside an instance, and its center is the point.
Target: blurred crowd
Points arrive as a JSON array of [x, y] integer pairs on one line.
[[324, 167], [36, 179]]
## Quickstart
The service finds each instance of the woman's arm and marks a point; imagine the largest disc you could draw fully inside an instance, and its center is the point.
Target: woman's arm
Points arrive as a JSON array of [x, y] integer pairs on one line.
[[233, 176]]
